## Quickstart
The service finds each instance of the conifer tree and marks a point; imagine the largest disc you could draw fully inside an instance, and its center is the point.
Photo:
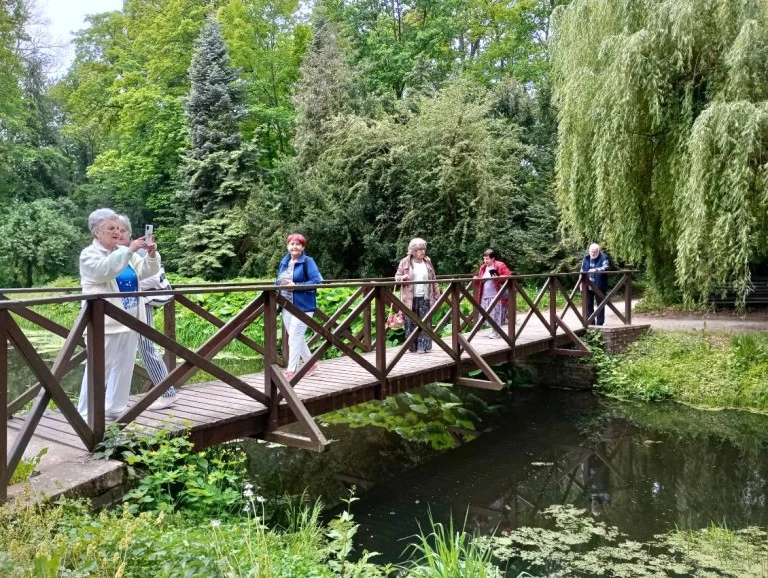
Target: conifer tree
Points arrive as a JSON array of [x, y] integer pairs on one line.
[[218, 169], [212, 123]]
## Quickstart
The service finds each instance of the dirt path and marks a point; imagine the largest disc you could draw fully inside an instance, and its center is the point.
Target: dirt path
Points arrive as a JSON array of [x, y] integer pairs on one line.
[[716, 321]]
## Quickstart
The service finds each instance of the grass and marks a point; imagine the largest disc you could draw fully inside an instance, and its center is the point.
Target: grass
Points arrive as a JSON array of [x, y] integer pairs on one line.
[[449, 553], [702, 368]]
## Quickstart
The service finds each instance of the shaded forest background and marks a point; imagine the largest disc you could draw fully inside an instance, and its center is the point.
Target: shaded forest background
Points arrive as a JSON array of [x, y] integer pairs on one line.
[[530, 126], [361, 124]]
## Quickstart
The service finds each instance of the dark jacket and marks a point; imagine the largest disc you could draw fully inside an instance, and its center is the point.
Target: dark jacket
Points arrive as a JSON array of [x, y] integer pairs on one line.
[[602, 263], [305, 272]]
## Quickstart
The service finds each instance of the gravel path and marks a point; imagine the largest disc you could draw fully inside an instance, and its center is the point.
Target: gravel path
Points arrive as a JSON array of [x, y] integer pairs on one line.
[[716, 321]]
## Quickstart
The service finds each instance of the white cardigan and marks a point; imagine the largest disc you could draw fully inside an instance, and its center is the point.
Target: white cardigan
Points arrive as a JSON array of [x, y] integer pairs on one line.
[[98, 269]]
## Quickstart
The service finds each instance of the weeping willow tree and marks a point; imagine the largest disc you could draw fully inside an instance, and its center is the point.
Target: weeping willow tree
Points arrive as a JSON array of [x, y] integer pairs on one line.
[[663, 135]]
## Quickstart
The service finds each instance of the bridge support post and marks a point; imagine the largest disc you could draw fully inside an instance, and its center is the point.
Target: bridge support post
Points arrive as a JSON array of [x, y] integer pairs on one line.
[[512, 316], [169, 328], [455, 328], [270, 355], [96, 372], [552, 307], [5, 475], [381, 341]]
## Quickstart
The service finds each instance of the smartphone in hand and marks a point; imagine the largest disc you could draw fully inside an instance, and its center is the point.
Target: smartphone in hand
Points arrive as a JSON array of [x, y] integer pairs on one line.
[[148, 234]]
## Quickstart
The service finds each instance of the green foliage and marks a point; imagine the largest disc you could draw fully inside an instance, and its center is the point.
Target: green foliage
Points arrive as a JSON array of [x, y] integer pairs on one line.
[[27, 467], [171, 477], [38, 241], [449, 553], [704, 369], [578, 546], [67, 539], [218, 172], [662, 136], [423, 417]]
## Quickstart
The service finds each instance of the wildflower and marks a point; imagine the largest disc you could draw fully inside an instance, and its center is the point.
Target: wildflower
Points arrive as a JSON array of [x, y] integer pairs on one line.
[[215, 523], [260, 499], [248, 486], [247, 493]]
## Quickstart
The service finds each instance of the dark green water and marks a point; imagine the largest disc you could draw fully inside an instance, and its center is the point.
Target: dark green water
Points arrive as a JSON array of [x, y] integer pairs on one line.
[[643, 468]]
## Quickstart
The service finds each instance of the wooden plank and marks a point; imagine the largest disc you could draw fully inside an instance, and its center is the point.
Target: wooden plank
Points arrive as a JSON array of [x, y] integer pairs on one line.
[[478, 383], [294, 441]]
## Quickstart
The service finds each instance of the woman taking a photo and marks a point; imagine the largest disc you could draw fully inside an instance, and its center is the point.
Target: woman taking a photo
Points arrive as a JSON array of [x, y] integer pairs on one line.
[[108, 267], [418, 297], [295, 269], [488, 283]]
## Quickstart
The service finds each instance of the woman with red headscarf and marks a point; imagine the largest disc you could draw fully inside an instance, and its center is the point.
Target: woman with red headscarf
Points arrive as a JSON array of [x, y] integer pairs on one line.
[[296, 269]]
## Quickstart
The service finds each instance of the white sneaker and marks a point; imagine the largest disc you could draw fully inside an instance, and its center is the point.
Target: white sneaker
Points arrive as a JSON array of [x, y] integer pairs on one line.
[[163, 402], [493, 335]]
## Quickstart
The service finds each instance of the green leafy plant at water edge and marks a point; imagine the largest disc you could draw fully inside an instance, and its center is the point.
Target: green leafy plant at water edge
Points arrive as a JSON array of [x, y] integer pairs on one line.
[[577, 546], [418, 416], [701, 368], [449, 553], [171, 476], [27, 467]]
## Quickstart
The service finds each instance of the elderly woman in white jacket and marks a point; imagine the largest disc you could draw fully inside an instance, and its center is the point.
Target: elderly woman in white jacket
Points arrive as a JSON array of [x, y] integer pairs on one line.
[[108, 267]]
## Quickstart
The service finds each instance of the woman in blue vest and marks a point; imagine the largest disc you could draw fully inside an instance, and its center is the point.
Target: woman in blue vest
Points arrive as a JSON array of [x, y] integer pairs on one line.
[[296, 269]]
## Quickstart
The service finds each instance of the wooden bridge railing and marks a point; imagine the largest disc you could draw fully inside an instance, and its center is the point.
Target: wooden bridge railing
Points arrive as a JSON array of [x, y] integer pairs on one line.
[[457, 314]]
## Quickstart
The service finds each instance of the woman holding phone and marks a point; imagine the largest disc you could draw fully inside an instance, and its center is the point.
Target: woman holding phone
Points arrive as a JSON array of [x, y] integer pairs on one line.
[[488, 283]]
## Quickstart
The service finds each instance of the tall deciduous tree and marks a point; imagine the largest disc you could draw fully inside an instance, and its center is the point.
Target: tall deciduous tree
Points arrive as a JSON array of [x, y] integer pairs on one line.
[[266, 43], [218, 170], [664, 135]]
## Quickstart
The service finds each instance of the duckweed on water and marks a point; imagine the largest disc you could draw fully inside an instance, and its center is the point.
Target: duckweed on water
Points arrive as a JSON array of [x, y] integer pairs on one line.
[[578, 546]]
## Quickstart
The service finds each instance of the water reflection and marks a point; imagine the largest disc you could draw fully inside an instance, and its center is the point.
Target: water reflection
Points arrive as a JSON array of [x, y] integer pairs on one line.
[[644, 469]]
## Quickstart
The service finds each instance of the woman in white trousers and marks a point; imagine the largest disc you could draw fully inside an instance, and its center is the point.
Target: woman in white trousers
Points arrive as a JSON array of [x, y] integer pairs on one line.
[[297, 269], [108, 267]]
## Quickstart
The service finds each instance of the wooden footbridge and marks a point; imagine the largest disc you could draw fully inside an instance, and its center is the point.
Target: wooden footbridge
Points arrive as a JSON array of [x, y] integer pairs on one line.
[[349, 344]]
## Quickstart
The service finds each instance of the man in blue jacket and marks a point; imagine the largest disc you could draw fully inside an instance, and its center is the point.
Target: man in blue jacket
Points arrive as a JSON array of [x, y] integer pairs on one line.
[[592, 262]]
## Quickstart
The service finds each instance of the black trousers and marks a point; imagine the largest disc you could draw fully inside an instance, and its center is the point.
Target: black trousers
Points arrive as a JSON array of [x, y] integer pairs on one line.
[[592, 301]]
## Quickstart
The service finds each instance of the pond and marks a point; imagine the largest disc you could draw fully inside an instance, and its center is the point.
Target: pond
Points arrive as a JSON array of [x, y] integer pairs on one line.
[[643, 468]]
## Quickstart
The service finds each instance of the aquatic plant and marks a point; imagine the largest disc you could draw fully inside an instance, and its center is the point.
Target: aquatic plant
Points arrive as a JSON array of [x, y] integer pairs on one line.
[[425, 415], [576, 545], [447, 552]]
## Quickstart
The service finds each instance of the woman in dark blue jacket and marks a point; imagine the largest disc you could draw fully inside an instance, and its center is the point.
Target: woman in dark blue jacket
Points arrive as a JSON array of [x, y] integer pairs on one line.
[[298, 269]]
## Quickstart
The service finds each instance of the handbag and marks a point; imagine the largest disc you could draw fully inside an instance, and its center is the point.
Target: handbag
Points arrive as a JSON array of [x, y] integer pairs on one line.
[[395, 320]]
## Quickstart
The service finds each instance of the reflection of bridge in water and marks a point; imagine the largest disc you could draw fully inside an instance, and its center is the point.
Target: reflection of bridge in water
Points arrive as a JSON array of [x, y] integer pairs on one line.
[[547, 318], [570, 448]]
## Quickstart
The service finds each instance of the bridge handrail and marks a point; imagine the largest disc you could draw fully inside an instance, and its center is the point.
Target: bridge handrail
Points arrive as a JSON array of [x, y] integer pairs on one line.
[[199, 288]]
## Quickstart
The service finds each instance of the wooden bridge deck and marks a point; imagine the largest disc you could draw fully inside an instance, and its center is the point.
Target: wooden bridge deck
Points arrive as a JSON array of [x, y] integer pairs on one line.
[[214, 412]]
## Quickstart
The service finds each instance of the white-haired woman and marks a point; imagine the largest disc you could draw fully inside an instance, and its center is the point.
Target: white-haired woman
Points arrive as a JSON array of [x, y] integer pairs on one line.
[[108, 267], [419, 297]]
